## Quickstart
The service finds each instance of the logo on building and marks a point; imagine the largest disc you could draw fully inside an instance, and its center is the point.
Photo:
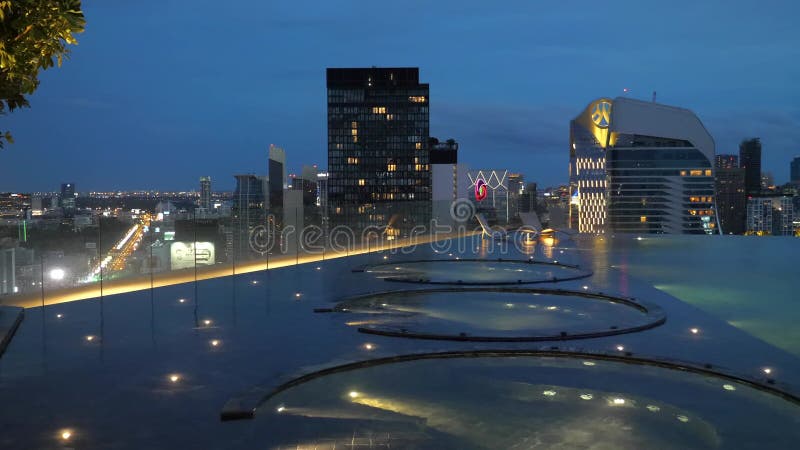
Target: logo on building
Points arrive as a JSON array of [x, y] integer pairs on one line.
[[601, 114], [480, 189]]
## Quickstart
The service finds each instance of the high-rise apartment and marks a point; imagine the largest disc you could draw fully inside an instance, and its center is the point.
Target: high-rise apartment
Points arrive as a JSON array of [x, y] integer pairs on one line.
[[750, 161], [68, 199], [249, 215], [378, 129], [640, 167], [726, 162], [794, 170], [205, 193], [731, 199]]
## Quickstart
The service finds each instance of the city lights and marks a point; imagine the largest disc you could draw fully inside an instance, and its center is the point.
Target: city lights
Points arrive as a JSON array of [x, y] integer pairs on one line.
[[57, 274]]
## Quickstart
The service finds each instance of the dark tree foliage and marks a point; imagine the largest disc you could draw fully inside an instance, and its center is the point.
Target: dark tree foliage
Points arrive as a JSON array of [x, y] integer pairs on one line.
[[34, 35]]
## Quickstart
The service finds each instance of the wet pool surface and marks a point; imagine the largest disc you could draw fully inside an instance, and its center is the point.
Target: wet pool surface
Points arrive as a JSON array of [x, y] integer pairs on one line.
[[464, 271], [509, 313], [526, 402], [147, 370]]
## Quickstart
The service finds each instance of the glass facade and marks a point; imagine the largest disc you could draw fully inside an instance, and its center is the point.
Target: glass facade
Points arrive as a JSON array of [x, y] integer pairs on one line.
[[627, 182], [378, 155]]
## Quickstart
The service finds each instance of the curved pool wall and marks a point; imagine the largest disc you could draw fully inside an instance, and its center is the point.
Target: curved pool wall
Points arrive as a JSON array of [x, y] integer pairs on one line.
[[116, 390], [505, 399], [498, 314], [478, 272]]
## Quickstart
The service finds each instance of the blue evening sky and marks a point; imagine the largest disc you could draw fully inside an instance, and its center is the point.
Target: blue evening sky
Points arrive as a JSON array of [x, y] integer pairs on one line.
[[160, 92]]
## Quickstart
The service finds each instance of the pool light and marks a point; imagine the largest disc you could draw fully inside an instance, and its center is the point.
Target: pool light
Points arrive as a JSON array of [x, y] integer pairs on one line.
[[694, 330], [353, 394], [174, 378], [181, 300], [58, 316], [207, 322], [682, 418], [618, 401], [729, 387], [586, 396], [369, 346], [297, 294], [66, 434], [280, 408], [549, 393], [589, 363], [620, 348], [215, 342], [90, 338], [653, 408], [767, 370]]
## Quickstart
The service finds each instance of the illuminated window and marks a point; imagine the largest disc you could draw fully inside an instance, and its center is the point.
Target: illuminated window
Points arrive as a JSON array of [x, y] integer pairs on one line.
[[708, 172], [378, 110], [417, 99], [390, 117], [643, 219], [361, 182], [354, 132], [354, 125], [696, 173], [352, 160], [419, 145], [391, 167], [683, 173]]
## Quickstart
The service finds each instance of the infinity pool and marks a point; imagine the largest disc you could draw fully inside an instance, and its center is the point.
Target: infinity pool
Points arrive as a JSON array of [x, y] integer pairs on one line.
[[526, 402]]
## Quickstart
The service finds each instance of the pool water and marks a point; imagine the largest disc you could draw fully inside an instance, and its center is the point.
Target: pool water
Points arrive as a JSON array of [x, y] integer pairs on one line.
[[526, 402], [748, 281], [476, 272], [490, 312]]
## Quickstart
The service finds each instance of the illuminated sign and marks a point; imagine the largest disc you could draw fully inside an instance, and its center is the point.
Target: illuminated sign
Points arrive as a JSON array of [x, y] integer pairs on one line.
[[480, 189], [169, 235], [601, 114], [184, 254]]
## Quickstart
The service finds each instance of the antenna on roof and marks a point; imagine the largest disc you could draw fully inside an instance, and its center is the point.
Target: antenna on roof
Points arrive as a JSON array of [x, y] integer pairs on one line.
[[654, 96]]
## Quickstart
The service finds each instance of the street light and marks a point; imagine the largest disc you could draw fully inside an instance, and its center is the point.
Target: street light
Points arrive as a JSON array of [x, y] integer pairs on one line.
[[57, 274]]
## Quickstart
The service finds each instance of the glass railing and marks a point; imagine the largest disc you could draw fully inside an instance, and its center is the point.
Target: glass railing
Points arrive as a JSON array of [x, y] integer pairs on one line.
[[99, 253]]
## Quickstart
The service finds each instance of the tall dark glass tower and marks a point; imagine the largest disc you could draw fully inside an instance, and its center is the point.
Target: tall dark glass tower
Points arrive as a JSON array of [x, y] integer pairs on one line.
[[68, 199], [750, 161], [794, 170], [205, 193], [378, 129]]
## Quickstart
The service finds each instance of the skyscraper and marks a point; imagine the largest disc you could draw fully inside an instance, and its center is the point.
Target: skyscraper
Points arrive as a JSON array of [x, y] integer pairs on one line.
[[205, 193], [794, 170], [378, 129], [640, 167], [731, 199], [750, 161], [448, 180], [276, 170], [68, 199], [726, 162], [249, 215]]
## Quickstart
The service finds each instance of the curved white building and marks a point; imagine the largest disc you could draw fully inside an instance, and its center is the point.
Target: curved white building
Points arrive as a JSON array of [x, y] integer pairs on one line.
[[641, 167]]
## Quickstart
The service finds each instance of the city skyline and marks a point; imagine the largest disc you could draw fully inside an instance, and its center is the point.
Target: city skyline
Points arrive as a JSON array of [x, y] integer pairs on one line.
[[153, 105]]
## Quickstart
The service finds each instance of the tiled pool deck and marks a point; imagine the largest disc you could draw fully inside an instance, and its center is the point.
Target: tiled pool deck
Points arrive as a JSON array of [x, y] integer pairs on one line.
[[140, 371]]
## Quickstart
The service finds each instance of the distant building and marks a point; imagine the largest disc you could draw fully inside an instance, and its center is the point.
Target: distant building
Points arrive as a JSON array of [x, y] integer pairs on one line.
[[794, 170], [378, 129], [767, 181], [248, 214], [448, 180], [726, 162], [527, 200], [731, 200], [68, 199], [516, 186], [205, 193], [276, 170], [750, 161], [759, 215], [640, 167]]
